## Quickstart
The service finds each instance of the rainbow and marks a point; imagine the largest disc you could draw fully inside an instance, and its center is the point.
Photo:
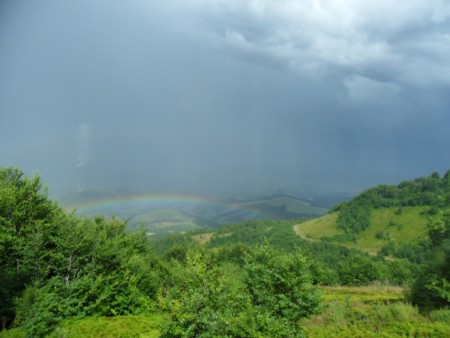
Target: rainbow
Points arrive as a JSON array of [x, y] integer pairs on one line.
[[156, 201]]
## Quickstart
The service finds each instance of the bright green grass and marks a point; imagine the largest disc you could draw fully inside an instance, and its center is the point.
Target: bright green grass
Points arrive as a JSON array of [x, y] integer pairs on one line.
[[366, 311], [316, 228], [373, 311], [12, 333], [122, 326], [369, 293], [102, 327], [409, 226]]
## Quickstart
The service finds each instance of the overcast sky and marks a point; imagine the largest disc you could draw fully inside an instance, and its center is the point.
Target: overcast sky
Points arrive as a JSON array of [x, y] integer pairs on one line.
[[212, 96]]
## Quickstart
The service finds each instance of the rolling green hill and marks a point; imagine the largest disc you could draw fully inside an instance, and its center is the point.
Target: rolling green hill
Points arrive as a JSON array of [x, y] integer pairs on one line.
[[386, 225], [383, 216], [166, 214], [65, 275]]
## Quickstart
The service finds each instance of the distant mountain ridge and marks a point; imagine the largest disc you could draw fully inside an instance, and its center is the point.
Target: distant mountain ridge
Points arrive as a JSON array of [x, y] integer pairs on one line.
[[183, 213]]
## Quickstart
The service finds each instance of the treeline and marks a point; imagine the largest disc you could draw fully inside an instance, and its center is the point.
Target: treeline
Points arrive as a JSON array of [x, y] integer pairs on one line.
[[251, 279], [331, 264], [432, 288], [55, 265], [424, 265], [433, 191]]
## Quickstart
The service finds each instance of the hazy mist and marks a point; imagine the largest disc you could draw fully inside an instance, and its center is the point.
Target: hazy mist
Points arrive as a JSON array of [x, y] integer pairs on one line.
[[218, 97]]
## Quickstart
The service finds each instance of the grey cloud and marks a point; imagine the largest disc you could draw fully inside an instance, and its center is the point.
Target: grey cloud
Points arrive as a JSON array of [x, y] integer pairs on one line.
[[213, 96], [407, 36]]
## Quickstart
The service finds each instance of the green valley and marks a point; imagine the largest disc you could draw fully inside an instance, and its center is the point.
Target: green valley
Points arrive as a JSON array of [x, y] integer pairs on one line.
[[375, 266], [162, 214]]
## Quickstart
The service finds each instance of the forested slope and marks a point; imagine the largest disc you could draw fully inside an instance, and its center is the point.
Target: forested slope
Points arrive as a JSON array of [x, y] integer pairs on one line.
[[431, 191], [56, 266], [60, 273], [385, 220]]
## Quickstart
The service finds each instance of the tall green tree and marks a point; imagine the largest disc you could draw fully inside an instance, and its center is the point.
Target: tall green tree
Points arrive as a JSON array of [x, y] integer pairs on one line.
[[55, 265], [27, 235], [432, 287], [98, 269]]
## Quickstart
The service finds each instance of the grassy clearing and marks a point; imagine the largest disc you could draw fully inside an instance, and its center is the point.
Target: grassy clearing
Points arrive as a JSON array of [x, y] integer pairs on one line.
[[373, 311], [12, 333], [123, 326], [316, 228], [102, 327], [371, 293], [387, 224], [203, 238], [404, 227]]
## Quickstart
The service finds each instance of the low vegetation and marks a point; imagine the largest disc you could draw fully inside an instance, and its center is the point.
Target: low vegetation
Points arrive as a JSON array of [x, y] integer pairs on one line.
[[67, 276], [386, 226], [374, 311]]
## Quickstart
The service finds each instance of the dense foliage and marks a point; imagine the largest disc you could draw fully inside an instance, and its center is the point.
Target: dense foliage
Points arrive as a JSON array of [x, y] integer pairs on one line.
[[28, 224], [432, 288], [332, 264], [433, 191], [250, 279], [266, 296], [374, 311], [55, 266]]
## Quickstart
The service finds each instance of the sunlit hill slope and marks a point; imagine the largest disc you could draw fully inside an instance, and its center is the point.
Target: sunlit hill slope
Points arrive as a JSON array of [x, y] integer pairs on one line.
[[383, 215]]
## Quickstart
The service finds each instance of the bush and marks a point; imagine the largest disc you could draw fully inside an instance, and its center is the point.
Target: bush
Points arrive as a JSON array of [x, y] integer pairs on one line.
[[354, 217], [110, 327], [440, 315], [360, 270], [98, 269], [202, 301], [28, 224], [266, 296], [432, 288], [281, 282]]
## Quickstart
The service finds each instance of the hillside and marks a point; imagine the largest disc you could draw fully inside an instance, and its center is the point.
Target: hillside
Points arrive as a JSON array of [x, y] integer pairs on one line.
[[386, 226], [384, 216], [179, 213], [64, 275]]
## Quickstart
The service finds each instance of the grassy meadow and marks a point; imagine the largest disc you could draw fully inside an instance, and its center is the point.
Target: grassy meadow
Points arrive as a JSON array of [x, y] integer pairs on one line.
[[373, 311], [386, 224], [102, 327], [363, 311]]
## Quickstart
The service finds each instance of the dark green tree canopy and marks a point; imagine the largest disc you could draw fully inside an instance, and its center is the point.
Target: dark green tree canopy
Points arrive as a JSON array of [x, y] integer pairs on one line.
[[64, 265]]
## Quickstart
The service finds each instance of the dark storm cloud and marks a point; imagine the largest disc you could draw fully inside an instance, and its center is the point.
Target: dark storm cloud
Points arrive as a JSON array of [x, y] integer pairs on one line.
[[211, 96]]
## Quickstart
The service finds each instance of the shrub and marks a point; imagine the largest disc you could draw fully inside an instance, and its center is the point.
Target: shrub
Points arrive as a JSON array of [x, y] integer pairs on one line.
[[440, 315], [360, 270], [432, 288], [266, 296]]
